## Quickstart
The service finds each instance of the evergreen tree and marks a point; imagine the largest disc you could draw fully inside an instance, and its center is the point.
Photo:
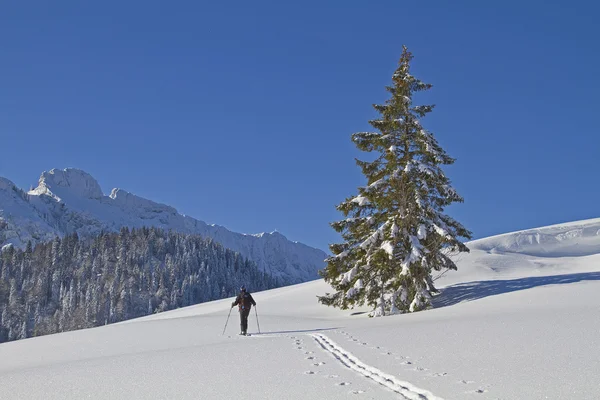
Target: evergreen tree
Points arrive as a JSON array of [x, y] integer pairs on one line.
[[395, 232], [69, 283]]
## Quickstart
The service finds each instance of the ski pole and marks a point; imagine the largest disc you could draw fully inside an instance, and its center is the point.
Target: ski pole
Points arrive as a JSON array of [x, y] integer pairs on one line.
[[227, 321], [256, 312]]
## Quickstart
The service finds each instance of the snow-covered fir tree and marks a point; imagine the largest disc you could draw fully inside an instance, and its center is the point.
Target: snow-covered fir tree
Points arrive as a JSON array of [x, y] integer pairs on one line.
[[395, 232]]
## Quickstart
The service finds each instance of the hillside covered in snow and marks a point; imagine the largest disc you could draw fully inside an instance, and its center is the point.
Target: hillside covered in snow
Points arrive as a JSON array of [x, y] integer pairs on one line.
[[518, 320], [71, 200]]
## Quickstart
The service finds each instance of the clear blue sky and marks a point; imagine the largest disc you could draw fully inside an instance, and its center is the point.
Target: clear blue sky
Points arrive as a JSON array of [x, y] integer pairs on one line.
[[240, 113]]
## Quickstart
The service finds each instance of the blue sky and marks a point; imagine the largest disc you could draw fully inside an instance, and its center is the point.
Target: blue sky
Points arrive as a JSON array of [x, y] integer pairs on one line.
[[240, 113]]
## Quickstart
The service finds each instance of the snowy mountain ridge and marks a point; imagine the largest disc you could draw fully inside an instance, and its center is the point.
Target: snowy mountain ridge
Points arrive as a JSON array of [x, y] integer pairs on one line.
[[71, 200]]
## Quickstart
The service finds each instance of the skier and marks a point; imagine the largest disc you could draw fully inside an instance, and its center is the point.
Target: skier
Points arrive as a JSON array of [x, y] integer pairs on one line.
[[244, 301]]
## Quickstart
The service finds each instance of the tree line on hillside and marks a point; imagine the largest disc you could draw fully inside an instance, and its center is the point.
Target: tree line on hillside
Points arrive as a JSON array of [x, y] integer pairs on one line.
[[70, 283]]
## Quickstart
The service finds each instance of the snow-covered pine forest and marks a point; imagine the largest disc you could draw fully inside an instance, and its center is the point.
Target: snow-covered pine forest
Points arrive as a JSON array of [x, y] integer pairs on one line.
[[71, 283]]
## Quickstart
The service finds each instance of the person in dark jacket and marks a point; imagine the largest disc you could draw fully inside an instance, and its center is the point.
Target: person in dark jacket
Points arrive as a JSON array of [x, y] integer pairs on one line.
[[244, 301]]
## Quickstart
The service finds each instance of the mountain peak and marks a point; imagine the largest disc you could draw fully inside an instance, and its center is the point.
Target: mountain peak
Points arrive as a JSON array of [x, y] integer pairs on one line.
[[273, 234], [71, 200], [69, 180]]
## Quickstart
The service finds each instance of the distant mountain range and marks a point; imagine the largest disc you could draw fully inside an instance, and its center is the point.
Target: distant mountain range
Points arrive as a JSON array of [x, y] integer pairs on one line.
[[71, 200]]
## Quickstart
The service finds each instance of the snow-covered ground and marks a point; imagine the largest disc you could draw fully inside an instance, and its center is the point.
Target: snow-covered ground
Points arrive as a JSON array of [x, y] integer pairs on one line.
[[519, 320]]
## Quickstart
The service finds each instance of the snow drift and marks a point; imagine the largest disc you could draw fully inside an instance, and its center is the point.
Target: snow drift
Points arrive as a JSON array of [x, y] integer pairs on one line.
[[562, 240]]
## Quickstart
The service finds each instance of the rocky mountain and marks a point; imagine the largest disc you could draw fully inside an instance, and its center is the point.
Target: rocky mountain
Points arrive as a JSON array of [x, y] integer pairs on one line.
[[71, 200]]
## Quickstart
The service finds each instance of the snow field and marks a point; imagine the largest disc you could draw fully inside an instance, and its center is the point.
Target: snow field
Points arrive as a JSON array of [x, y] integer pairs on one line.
[[507, 325]]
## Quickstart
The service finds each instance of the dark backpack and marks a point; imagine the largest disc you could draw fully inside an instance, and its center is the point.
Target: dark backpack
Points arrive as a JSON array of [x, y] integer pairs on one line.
[[245, 301]]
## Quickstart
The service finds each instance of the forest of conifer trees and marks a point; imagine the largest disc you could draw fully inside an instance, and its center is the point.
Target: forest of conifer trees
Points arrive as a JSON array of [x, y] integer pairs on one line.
[[70, 283]]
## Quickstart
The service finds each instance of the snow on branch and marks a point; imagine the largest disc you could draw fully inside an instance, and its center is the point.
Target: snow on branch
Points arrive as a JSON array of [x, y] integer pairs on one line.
[[343, 254], [422, 232], [361, 201], [348, 276], [413, 256], [365, 135], [418, 200], [430, 145], [388, 247], [354, 289], [420, 166], [450, 191], [374, 236], [377, 183], [440, 231], [395, 230]]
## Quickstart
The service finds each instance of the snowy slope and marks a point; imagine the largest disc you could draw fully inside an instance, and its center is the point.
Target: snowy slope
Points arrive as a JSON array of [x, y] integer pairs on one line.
[[18, 221], [71, 200], [515, 322], [562, 240], [550, 250]]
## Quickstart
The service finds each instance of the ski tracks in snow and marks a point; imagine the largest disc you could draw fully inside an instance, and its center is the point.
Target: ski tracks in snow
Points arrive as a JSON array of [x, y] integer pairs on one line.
[[406, 389]]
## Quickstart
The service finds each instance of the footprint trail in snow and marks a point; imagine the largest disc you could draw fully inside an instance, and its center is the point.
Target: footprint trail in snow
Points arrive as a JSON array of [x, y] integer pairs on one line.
[[406, 389]]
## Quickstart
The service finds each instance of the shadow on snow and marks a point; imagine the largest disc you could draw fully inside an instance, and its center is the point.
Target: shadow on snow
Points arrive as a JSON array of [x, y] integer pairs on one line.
[[480, 289]]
